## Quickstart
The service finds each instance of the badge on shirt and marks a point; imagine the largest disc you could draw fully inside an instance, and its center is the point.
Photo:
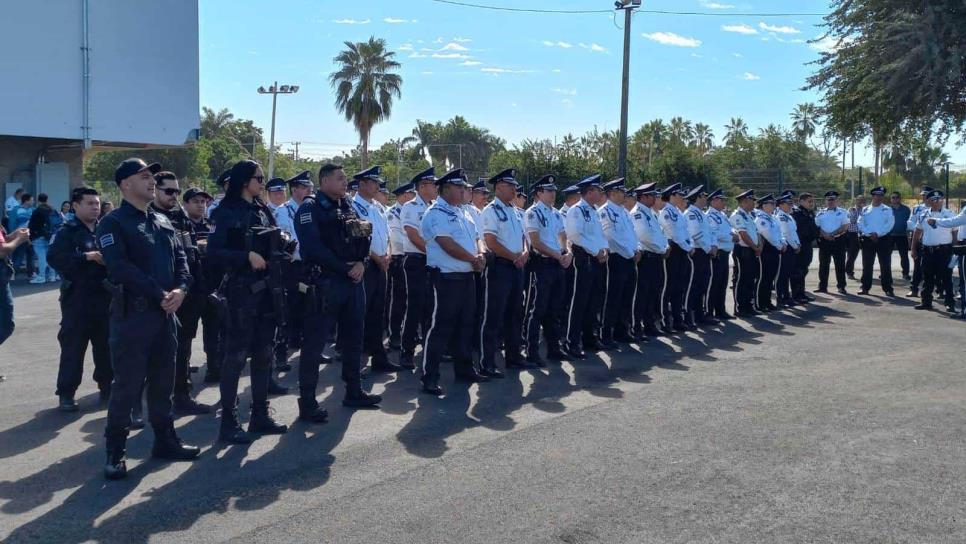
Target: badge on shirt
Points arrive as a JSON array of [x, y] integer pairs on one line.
[[305, 218], [107, 240]]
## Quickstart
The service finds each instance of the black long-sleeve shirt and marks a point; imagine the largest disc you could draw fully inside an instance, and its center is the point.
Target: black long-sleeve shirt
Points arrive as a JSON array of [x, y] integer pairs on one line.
[[320, 225], [805, 225], [67, 256]]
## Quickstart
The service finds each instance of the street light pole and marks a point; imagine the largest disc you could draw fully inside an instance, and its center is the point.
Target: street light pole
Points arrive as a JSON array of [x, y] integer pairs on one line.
[[628, 6], [275, 90]]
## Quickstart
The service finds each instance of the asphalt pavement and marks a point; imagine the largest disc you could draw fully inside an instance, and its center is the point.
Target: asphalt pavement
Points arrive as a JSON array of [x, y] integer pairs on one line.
[[841, 422]]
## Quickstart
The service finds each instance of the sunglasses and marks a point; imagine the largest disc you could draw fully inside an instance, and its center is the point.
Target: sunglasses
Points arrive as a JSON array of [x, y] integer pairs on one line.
[[171, 191], [259, 179]]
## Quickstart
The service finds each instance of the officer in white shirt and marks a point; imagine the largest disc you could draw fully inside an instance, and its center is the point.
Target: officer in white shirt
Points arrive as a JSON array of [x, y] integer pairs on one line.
[[936, 250], [416, 318], [276, 193], [724, 238], [571, 196], [479, 198], [679, 266], [397, 276], [549, 258], [300, 186], [590, 249], [875, 223], [653, 244], [911, 225], [621, 278], [833, 223], [705, 251], [959, 252], [771, 251], [452, 255], [789, 259], [747, 255], [366, 184]]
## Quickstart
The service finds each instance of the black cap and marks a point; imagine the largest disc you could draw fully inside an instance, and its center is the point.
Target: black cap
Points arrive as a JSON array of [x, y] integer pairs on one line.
[[614, 185], [590, 181], [275, 184], [750, 193], [480, 186], [370, 173], [193, 192], [507, 176], [717, 193], [454, 177], [303, 178], [767, 199], [572, 190], [877, 191], [831, 194], [426, 175], [132, 166], [646, 189], [693, 194], [223, 178], [405, 188], [547, 182], [672, 189]]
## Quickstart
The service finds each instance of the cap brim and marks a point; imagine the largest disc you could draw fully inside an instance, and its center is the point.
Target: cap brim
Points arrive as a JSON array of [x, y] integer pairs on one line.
[[154, 168]]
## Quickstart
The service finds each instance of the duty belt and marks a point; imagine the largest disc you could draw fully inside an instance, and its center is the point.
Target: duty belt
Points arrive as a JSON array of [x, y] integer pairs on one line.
[[933, 249]]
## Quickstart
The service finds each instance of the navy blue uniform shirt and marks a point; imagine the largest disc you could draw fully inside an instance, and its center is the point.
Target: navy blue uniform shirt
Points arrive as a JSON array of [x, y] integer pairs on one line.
[[323, 240], [66, 256]]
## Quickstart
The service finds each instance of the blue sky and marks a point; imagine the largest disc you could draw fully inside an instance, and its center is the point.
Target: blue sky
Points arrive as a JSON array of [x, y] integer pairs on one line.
[[520, 75]]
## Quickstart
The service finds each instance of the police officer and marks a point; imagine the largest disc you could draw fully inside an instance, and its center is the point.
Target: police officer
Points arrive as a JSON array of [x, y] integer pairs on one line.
[[654, 247], [621, 277], [771, 252], [335, 243], [705, 251], [549, 258], [958, 252], [571, 197], [833, 222], [807, 232], [503, 278], [590, 249], [789, 259], [911, 227], [165, 203], [84, 301], [746, 255], [276, 193], [377, 268], [452, 254], [937, 250], [479, 198], [725, 239], [147, 265], [241, 247], [875, 224], [222, 182], [397, 276], [414, 266], [679, 271]]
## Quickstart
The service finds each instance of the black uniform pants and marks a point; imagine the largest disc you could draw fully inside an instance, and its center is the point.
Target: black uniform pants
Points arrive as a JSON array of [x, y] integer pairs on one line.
[[719, 284], [769, 262], [417, 301], [696, 296], [83, 321], [787, 262], [546, 298], [290, 337], [397, 298], [679, 276], [747, 268], [502, 312], [143, 343], [451, 322], [831, 251], [852, 250], [619, 288], [246, 336], [803, 260], [880, 249], [917, 268], [650, 290], [374, 283], [340, 303], [936, 273], [900, 243], [583, 317], [195, 308]]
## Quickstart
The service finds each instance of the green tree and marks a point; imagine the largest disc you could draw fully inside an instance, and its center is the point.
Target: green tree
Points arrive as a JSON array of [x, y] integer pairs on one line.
[[365, 85], [737, 131], [804, 120]]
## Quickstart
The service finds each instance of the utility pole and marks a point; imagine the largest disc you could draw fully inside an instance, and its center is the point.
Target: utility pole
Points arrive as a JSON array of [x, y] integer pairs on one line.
[[275, 90], [296, 144], [946, 192], [628, 6]]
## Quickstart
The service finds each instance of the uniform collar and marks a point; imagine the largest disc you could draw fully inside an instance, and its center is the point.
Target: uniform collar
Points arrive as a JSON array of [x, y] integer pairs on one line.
[[419, 200], [362, 201]]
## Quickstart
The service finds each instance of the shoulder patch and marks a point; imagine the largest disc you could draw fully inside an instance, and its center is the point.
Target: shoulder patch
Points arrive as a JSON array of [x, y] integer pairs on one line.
[[107, 240], [305, 217]]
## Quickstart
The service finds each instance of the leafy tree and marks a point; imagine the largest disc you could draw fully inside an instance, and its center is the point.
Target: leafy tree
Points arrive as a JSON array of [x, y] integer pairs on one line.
[[804, 120], [737, 131]]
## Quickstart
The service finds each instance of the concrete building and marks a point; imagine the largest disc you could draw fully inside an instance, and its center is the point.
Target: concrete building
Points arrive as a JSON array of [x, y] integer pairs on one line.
[[82, 75]]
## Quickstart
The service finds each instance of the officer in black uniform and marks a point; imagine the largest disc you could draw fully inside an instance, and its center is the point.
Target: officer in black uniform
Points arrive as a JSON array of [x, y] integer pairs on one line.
[[241, 247], [165, 203], [84, 301], [149, 271], [334, 244], [804, 216]]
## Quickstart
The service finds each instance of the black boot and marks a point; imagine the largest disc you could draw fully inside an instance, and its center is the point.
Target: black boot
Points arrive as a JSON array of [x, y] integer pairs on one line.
[[231, 431], [355, 397], [67, 404], [115, 468], [381, 363], [406, 360], [262, 422], [137, 419], [431, 387], [186, 406], [275, 388], [167, 445], [309, 410]]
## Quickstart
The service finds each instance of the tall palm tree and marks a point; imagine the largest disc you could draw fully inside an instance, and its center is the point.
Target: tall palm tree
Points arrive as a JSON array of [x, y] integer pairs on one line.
[[365, 85], [703, 138], [656, 132], [212, 122], [681, 130], [737, 130], [804, 120]]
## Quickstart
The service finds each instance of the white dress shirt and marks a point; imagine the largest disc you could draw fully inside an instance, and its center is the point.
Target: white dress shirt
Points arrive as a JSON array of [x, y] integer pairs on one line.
[[720, 229], [396, 232], [675, 227], [618, 229], [744, 221], [443, 220], [372, 212], [938, 235], [285, 219], [876, 220], [699, 229], [789, 228], [830, 220], [649, 233], [584, 229], [502, 221], [412, 216], [769, 229], [546, 221]]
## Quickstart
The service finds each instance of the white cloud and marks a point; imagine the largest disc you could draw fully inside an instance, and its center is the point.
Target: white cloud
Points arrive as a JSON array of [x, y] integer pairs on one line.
[[453, 46], [470, 63], [393, 21], [737, 55], [491, 70], [460, 39], [750, 77], [556, 70], [417, 56], [594, 47], [670, 38], [716, 5], [568, 92], [351, 21], [779, 29], [739, 29], [562, 45], [567, 102], [697, 56], [826, 44], [450, 56], [406, 47]]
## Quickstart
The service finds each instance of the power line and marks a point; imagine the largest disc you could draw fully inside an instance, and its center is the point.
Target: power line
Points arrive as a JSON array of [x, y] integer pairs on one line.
[[650, 11]]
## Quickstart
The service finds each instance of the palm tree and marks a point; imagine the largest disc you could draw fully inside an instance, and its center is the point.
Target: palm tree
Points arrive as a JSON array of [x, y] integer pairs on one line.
[[681, 130], [703, 138], [212, 122], [365, 85], [656, 131], [804, 120], [737, 130]]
